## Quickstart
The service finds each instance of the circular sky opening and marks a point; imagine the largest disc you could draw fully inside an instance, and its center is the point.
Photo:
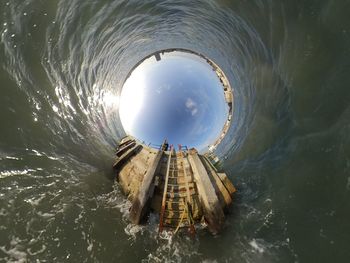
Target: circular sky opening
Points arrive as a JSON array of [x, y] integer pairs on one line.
[[179, 96]]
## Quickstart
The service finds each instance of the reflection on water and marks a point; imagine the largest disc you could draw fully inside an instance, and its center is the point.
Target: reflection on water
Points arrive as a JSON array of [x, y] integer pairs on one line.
[[174, 95]]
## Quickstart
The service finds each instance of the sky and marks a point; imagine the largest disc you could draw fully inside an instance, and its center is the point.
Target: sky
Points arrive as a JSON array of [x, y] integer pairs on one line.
[[178, 98]]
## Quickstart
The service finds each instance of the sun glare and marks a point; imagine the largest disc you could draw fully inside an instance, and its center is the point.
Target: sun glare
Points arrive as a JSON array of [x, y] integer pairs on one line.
[[110, 100], [131, 100]]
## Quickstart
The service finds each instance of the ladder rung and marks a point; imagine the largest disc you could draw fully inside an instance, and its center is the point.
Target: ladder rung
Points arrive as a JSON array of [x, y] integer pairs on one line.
[[177, 219], [175, 202]]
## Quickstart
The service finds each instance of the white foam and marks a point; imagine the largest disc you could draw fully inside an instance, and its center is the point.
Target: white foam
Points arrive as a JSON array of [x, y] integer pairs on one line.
[[124, 208], [45, 215], [89, 248], [7, 173], [170, 248], [80, 216], [37, 153], [15, 253], [55, 108], [43, 248], [33, 201], [12, 158], [3, 212], [132, 230], [52, 158], [258, 247], [268, 217]]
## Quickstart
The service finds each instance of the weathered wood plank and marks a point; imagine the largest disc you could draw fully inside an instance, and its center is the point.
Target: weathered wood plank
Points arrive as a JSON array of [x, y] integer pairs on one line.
[[212, 210], [125, 147], [126, 156], [145, 193], [223, 177], [228, 184], [124, 141], [220, 189]]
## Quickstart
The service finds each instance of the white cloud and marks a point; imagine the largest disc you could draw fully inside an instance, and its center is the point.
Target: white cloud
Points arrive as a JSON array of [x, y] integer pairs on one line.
[[194, 111], [192, 106], [189, 103], [162, 88]]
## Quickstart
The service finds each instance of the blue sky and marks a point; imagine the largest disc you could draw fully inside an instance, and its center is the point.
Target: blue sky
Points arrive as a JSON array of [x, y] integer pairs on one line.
[[178, 98]]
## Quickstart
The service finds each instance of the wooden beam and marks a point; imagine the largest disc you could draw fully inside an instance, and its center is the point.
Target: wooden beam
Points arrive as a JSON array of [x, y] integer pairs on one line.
[[145, 193], [125, 140], [126, 156], [212, 210], [223, 177], [220, 189], [227, 183], [125, 147]]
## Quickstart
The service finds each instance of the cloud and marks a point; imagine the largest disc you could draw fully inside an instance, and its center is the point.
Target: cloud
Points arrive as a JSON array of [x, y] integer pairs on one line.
[[202, 129], [192, 106], [163, 87], [189, 103]]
